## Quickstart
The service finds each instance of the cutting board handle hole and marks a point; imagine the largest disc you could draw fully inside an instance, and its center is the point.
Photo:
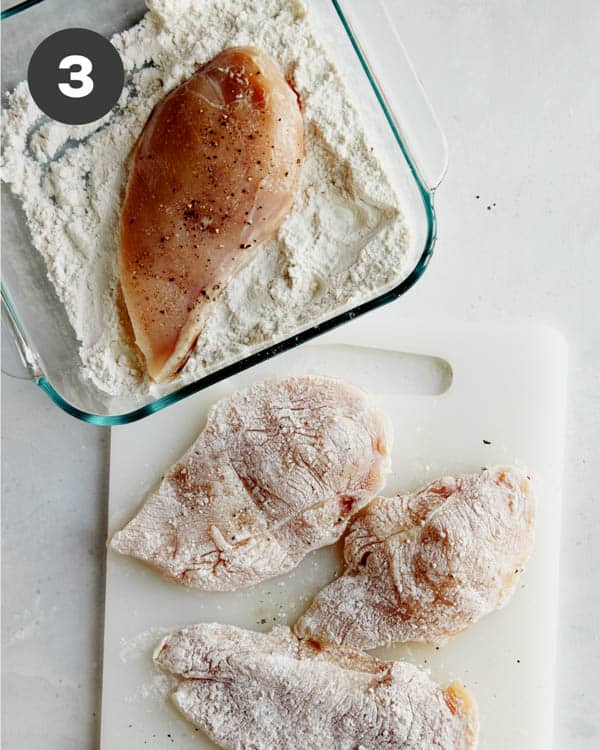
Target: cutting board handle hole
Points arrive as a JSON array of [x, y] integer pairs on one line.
[[381, 371]]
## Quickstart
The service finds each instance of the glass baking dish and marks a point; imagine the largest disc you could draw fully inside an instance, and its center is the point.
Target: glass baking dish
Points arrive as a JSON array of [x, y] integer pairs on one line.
[[366, 49]]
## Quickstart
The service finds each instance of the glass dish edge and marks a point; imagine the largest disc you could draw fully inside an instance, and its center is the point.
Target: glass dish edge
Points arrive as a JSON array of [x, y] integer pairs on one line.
[[20, 339]]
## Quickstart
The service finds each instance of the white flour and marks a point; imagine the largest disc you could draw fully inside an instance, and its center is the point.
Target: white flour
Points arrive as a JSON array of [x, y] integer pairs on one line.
[[345, 237]]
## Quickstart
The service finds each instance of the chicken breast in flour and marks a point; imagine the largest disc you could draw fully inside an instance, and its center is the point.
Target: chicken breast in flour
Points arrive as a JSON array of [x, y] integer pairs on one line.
[[423, 566], [255, 691], [278, 471], [214, 174]]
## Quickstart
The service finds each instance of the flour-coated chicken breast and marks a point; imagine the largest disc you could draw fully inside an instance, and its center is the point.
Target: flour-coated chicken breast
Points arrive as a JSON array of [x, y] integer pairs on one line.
[[278, 471], [270, 691], [424, 566], [213, 175]]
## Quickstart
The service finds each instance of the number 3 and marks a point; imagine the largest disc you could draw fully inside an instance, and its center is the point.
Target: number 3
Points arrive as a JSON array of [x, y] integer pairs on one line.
[[81, 76]]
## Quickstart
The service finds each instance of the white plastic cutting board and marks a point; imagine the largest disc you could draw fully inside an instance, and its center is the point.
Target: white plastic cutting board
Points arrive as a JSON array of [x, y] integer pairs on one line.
[[507, 388]]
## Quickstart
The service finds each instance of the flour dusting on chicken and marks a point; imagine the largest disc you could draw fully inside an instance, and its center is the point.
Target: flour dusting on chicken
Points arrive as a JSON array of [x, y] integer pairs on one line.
[[270, 691], [278, 471], [424, 566]]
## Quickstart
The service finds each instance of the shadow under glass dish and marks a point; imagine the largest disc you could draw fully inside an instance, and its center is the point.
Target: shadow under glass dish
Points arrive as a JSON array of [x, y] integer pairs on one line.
[[367, 52]]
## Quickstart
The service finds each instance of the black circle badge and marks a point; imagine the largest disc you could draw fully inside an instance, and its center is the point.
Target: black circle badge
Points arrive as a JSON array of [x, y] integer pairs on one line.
[[75, 76]]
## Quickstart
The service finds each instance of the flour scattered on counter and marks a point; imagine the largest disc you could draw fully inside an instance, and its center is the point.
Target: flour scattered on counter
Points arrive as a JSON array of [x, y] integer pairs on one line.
[[345, 238]]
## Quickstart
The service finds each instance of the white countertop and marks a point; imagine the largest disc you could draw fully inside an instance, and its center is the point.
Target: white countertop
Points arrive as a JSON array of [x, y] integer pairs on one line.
[[515, 87]]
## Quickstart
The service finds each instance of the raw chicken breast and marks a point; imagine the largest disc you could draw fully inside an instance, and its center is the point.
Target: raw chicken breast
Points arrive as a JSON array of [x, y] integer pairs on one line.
[[277, 472], [269, 691], [424, 566], [214, 173]]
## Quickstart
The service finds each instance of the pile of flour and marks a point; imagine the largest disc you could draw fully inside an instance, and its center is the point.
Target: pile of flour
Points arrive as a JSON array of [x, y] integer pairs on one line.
[[345, 238]]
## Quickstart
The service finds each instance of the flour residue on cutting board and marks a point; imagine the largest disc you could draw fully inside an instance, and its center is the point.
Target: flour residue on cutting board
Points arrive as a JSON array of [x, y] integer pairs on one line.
[[345, 238], [139, 649]]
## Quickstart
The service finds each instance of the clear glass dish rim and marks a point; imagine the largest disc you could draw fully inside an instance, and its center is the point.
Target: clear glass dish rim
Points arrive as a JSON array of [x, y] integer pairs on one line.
[[292, 341]]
